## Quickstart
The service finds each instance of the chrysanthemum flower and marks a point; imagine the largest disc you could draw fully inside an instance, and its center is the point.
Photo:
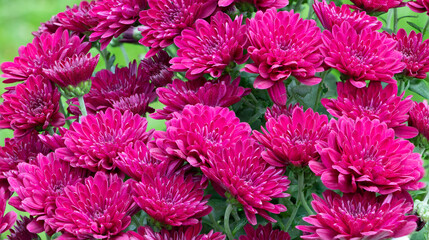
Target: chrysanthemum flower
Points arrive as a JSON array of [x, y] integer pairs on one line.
[[37, 187], [183, 233], [210, 47], [419, 6], [292, 139], [373, 102], [101, 208], [42, 53], [330, 15], [364, 154], [239, 173], [419, 117], [177, 95], [34, 105], [415, 53], [277, 110], [20, 231], [166, 19], [114, 17], [53, 141], [259, 4], [282, 44], [369, 55], [377, 5], [78, 17], [6, 221], [197, 129], [49, 27], [96, 142], [157, 68], [263, 233], [360, 216]]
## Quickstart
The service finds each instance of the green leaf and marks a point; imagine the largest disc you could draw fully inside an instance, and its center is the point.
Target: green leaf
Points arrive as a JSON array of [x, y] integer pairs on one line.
[[420, 87], [415, 26]]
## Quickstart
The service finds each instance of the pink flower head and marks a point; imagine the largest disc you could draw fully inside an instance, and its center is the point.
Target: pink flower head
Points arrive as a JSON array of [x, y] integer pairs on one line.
[[42, 53], [78, 17], [20, 231], [277, 110], [360, 215], [369, 55], [6, 221], [419, 6], [165, 19], [263, 233], [210, 47], [282, 44], [415, 53], [196, 130], [114, 17], [157, 69], [177, 95], [292, 139], [376, 5], [364, 154], [100, 208], [419, 117], [49, 27], [33, 105], [373, 102], [182, 233], [37, 187], [240, 173], [330, 15], [259, 4]]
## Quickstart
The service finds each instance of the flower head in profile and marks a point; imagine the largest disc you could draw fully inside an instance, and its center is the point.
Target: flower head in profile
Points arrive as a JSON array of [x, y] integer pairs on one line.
[[182, 233], [330, 15], [49, 27], [197, 129], [96, 142], [99, 208], [291, 139], [33, 105], [78, 18], [364, 155], [6, 220], [282, 44], [20, 231], [210, 47], [368, 55], [259, 4], [239, 173], [263, 233], [419, 6], [361, 215], [114, 17], [177, 95], [157, 69], [419, 117], [376, 5], [165, 20], [373, 102]]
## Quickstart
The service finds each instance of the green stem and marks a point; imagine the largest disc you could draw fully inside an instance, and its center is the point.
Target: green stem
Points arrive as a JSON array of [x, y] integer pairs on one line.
[[425, 200], [226, 221], [235, 215], [395, 20], [82, 106], [216, 225], [124, 52], [389, 19], [292, 216], [318, 97], [301, 186], [298, 5], [425, 28], [310, 8], [401, 85]]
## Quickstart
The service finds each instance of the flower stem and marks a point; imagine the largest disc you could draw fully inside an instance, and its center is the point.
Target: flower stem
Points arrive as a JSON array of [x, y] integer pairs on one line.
[[395, 20], [425, 200], [318, 97], [216, 225], [389, 19], [298, 5], [310, 9], [301, 193], [82, 106], [292, 216], [124, 52], [226, 221]]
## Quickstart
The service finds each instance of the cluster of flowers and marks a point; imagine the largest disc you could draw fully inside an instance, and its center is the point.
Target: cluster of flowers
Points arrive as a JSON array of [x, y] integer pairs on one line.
[[89, 170]]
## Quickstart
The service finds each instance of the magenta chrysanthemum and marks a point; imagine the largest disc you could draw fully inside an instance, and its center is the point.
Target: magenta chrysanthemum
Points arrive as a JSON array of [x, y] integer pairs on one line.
[[114, 17], [50, 26], [360, 216], [377, 5], [166, 19], [42, 53], [419, 6], [20, 231], [33, 105], [415, 53], [259, 4], [96, 142], [78, 17], [101, 208], [263, 233], [240, 173], [292, 139], [6, 221], [419, 117], [183, 233], [197, 129], [177, 95], [369, 55], [364, 154], [330, 15], [157, 69], [282, 44], [210, 47], [373, 102], [37, 187]]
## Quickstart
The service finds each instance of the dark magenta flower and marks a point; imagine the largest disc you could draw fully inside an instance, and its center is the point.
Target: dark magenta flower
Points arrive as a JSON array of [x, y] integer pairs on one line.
[[373, 102], [364, 155], [78, 18], [360, 215], [49, 27], [157, 68], [259, 4], [277, 110], [419, 117], [210, 47], [182, 233], [177, 95], [165, 20], [376, 5], [419, 6], [20, 231], [291, 139], [96, 142], [368, 55], [6, 220], [99, 208], [282, 44], [33, 105], [239, 173], [264, 233]]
